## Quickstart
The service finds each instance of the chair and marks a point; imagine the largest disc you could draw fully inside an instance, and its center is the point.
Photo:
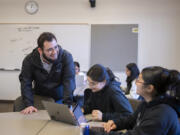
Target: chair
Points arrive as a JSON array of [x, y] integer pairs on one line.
[[19, 103]]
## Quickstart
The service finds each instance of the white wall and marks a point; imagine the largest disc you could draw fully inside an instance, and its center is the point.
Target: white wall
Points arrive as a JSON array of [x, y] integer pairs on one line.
[[159, 22]]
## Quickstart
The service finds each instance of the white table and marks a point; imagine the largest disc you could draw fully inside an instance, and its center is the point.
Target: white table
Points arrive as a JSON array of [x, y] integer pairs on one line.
[[15, 123]]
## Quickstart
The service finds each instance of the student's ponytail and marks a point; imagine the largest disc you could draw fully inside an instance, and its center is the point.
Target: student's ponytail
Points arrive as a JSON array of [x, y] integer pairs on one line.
[[112, 77], [174, 83]]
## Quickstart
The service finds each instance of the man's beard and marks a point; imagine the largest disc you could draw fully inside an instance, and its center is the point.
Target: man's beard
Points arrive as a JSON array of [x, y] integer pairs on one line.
[[48, 59]]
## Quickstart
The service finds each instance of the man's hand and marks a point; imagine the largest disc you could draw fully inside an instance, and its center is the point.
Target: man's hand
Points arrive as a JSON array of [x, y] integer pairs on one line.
[[29, 110], [110, 125], [97, 115]]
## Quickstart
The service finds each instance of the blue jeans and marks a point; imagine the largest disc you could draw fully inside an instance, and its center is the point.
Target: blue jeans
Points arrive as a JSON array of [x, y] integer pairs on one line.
[[59, 101]]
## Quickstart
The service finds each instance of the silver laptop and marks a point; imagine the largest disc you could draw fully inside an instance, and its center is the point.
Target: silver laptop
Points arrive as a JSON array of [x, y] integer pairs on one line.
[[61, 112]]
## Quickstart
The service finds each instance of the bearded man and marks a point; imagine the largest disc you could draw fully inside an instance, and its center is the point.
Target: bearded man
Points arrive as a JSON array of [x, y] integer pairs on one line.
[[47, 71]]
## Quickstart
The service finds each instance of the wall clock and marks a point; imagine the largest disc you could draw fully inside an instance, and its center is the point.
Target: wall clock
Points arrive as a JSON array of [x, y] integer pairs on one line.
[[31, 7]]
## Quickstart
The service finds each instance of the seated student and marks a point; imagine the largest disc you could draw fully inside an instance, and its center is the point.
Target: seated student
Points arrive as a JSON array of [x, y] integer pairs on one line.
[[104, 99], [132, 73], [80, 79], [155, 116]]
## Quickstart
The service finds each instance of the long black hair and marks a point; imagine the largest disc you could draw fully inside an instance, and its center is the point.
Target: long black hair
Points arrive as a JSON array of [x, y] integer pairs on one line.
[[134, 74], [99, 73]]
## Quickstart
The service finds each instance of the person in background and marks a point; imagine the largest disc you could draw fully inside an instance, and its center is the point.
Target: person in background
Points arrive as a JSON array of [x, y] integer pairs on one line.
[[81, 85], [155, 116], [77, 68], [132, 73], [104, 98], [50, 69]]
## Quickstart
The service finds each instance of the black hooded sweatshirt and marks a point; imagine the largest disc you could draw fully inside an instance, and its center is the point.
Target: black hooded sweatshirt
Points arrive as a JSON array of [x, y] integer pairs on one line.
[[158, 117]]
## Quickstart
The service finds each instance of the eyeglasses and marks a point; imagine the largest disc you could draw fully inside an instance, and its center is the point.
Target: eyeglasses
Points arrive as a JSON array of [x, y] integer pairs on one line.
[[92, 84], [50, 50]]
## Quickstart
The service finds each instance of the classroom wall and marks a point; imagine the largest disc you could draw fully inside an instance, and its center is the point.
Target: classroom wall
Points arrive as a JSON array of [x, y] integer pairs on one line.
[[159, 27]]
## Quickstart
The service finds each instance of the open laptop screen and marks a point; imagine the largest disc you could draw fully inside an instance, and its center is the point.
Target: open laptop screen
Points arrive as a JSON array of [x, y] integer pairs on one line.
[[78, 114]]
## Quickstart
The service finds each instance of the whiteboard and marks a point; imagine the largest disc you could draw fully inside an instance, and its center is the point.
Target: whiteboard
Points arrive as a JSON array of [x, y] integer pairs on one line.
[[18, 40], [119, 43]]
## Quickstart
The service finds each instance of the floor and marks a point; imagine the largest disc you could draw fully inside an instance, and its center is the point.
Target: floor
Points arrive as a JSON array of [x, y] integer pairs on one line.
[[6, 106]]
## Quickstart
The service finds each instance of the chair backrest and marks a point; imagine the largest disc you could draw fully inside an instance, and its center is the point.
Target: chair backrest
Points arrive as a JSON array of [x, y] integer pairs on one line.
[[19, 103], [134, 103]]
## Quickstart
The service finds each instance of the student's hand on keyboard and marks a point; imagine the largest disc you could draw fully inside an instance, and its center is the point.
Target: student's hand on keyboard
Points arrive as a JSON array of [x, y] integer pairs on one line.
[[29, 110], [110, 125], [97, 115]]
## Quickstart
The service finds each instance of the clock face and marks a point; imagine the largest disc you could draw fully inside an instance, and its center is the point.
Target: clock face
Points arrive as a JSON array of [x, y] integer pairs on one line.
[[31, 7]]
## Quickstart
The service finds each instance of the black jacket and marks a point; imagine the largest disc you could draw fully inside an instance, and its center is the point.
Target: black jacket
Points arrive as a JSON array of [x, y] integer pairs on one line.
[[110, 101], [154, 118], [61, 76]]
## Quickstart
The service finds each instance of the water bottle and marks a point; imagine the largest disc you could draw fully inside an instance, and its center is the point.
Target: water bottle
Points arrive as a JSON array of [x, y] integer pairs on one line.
[[84, 129]]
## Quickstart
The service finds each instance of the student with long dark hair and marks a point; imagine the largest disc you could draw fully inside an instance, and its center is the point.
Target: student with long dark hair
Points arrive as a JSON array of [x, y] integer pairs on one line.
[[132, 73], [155, 116], [104, 98]]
